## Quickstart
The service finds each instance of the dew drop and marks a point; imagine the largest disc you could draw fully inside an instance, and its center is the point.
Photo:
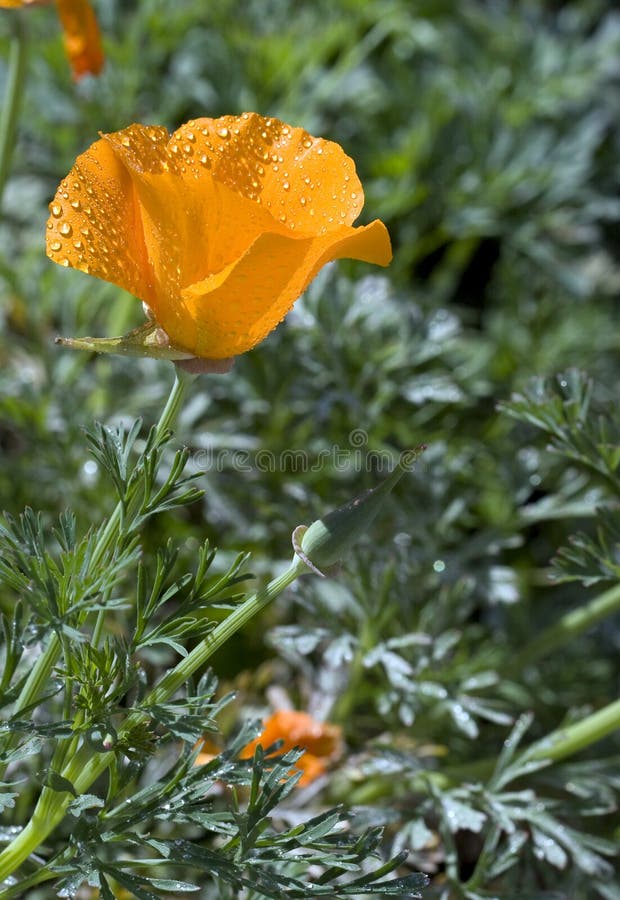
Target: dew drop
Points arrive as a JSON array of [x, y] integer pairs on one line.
[[78, 245], [286, 186], [65, 229], [50, 225], [55, 246], [283, 218], [75, 204], [64, 262], [307, 143], [56, 210], [302, 200], [353, 196], [191, 137], [224, 132]]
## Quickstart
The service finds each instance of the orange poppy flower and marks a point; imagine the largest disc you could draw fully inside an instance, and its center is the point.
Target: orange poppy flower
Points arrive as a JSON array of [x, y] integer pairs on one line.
[[218, 228], [81, 33], [321, 741]]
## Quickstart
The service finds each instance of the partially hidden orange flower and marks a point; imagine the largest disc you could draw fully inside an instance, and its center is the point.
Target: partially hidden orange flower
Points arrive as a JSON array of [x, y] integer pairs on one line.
[[321, 742], [218, 228], [80, 30]]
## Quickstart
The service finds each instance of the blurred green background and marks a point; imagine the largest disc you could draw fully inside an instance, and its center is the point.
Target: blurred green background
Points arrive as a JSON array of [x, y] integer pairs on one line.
[[486, 135]]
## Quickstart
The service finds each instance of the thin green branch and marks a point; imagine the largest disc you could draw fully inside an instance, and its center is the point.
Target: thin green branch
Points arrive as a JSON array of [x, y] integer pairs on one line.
[[12, 97], [568, 627]]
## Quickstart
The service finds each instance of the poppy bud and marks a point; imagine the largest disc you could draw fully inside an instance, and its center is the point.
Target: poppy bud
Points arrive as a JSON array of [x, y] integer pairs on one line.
[[328, 540]]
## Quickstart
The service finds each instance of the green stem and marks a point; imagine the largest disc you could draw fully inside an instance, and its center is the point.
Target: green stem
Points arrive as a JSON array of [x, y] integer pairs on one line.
[[566, 741], [43, 667], [87, 765], [556, 746], [12, 97], [568, 627], [343, 707], [197, 659], [166, 422], [40, 673]]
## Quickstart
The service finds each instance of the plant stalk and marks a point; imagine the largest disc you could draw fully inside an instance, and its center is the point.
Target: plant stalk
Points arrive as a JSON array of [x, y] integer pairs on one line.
[[568, 627], [87, 765], [13, 93]]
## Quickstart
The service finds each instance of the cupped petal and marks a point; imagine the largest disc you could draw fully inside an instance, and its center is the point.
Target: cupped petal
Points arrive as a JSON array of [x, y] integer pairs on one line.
[[232, 311], [307, 183], [81, 36], [193, 225], [95, 223]]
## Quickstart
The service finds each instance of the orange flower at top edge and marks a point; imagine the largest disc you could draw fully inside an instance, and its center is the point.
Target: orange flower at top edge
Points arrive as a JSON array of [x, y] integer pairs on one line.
[[81, 36], [218, 228], [81, 33], [320, 740]]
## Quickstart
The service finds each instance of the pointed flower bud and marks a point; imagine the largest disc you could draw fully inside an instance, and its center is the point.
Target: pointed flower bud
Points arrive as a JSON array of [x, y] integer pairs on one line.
[[329, 539]]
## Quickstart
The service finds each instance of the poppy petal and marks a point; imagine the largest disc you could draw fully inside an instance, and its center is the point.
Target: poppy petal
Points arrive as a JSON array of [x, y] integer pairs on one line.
[[232, 311], [306, 182], [193, 226], [95, 224]]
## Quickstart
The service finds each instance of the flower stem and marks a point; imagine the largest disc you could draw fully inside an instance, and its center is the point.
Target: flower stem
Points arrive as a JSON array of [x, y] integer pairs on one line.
[[166, 422], [86, 765], [12, 97], [568, 627], [40, 673], [565, 741], [174, 679], [556, 746]]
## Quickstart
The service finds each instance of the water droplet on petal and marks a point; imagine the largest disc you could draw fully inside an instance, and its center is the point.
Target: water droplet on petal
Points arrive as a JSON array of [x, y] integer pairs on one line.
[[56, 210], [65, 229], [55, 246], [224, 132]]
